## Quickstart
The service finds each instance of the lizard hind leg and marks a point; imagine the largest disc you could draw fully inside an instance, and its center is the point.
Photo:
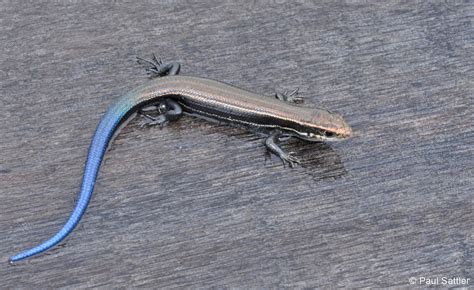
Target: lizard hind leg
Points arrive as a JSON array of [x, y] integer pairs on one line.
[[167, 110], [155, 67]]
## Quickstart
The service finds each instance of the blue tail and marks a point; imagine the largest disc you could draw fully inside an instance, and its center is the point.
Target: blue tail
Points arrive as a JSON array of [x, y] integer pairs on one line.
[[97, 149]]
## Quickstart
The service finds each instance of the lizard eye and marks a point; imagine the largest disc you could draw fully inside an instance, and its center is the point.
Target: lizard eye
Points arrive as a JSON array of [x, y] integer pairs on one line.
[[329, 134]]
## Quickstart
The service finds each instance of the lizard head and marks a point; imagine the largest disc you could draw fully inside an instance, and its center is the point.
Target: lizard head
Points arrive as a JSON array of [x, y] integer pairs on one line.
[[324, 126]]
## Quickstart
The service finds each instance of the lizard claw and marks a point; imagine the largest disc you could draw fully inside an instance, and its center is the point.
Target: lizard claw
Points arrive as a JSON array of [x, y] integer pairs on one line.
[[290, 159], [155, 66], [156, 121], [291, 97], [157, 61], [295, 97]]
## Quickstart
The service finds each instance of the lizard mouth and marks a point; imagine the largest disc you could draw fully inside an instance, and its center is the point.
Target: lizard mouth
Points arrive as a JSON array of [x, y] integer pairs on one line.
[[322, 136], [318, 136]]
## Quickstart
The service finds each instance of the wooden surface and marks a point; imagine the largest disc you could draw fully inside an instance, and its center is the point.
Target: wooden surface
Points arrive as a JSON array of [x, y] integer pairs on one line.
[[195, 204]]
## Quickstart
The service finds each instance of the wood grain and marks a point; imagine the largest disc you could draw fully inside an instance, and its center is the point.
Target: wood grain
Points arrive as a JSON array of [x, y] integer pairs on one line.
[[196, 204]]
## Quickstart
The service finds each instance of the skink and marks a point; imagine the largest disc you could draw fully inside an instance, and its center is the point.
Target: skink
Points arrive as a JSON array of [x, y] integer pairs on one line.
[[171, 95]]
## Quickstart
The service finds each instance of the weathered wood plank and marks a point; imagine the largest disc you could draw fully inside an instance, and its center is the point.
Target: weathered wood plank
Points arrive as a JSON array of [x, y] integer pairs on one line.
[[196, 204]]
